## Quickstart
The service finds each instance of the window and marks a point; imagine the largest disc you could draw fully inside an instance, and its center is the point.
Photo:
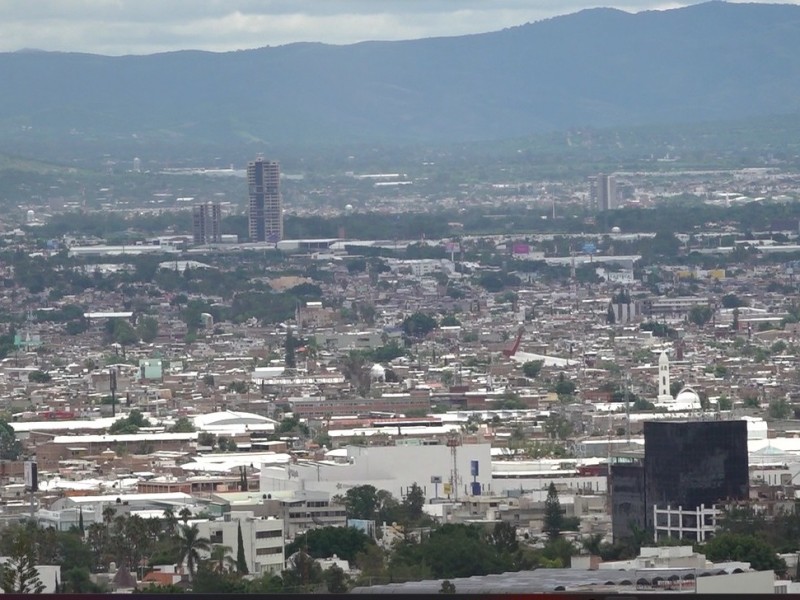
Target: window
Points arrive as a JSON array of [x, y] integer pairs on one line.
[[261, 535], [215, 537], [268, 551]]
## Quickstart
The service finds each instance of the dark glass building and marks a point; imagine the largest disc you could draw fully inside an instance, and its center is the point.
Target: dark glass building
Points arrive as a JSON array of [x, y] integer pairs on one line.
[[627, 492], [688, 467]]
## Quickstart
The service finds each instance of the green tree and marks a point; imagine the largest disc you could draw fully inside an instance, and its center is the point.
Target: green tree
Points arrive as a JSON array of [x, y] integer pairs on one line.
[[220, 559], [414, 502], [447, 587], [241, 562], [182, 425], [732, 301], [418, 325], [565, 387], [450, 551], [303, 575], [147, 329], [553, 515], [744, 547], [779, 409], [130, 424], [190, 544], [700, 315], [324, 542], [39, 377], [19, 574], [335, 580], [238, 387], [664, 243], [504, 538], [10, 447], [557, 552], [557, 426], [78, 580], [361, 502], [450, 321], [210, 581], [121, 332], [532, 368], [266, 584]]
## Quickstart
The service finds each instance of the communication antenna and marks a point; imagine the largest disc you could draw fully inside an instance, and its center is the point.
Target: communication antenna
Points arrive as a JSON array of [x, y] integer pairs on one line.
[[453, 442]]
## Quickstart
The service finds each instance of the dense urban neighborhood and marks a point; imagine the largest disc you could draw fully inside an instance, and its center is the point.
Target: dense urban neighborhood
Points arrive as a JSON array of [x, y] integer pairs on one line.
[[583, 385]]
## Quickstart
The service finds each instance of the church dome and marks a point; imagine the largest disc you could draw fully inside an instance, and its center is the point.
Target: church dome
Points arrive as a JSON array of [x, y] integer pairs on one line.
[[688, 395]]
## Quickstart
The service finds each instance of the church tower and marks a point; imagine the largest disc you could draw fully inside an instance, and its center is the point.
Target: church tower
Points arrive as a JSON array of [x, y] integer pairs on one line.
[[663, 379]]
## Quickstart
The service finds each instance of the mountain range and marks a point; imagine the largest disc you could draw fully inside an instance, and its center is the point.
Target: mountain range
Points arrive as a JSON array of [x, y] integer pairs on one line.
[[595, 68]]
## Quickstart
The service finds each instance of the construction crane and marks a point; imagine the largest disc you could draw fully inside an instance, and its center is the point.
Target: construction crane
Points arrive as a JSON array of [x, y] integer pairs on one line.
[[511, 350]]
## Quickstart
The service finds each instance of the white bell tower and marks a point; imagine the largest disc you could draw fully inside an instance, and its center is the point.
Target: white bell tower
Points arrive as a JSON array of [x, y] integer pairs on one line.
[[663, 379]]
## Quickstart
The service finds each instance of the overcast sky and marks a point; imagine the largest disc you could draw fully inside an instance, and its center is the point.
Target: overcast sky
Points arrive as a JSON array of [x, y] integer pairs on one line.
[[116, 27]]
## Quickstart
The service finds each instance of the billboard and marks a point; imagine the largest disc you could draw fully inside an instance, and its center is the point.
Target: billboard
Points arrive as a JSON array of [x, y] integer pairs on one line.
[[31, 476], [521, 248]]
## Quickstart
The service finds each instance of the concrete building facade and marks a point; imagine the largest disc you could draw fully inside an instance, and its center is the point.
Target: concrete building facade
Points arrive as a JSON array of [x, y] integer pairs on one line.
[[265, 208], [263, 539]]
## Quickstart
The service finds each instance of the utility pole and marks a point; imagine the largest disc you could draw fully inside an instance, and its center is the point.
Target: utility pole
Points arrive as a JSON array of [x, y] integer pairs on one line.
[[627, 411], [112, 384]]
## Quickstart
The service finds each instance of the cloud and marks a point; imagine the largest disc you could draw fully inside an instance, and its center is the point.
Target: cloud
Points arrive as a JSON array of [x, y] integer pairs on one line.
[[116, 27]]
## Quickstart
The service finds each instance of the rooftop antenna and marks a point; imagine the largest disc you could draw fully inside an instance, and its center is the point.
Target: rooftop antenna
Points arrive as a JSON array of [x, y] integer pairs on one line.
[[454, 442]]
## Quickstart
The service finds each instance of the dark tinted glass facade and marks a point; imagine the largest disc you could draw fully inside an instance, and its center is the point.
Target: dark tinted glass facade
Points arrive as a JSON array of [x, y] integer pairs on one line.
[[693, 463], [626, 486]]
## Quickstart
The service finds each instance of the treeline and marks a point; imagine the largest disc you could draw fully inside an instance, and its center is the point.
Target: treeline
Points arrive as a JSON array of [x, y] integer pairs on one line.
[[677, 215]]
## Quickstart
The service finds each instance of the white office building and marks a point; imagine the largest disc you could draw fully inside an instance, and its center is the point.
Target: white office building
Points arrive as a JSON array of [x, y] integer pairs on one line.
[[263, 539], [440, 470]]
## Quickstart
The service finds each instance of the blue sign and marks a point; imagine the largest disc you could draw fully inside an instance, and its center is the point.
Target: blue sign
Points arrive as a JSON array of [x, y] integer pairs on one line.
[[473, 468]]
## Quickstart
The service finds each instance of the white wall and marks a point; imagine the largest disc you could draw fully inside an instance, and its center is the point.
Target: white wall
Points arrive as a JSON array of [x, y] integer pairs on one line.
[[393, 468], [752, 582], [47, 575], [256, 563]]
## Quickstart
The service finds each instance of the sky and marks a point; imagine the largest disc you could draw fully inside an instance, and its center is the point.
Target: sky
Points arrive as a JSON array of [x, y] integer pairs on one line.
[[119, 27]]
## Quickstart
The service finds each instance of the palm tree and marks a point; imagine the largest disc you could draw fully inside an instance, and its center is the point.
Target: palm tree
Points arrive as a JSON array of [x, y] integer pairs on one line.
[[108, 515], [190, 544], [170, 521], [185, 514], [221, 559], [593, 543]]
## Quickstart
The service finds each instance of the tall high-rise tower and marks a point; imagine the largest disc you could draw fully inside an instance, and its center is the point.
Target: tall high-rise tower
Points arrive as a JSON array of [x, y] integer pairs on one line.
[[265, 209], [603, 192], [206, 222]]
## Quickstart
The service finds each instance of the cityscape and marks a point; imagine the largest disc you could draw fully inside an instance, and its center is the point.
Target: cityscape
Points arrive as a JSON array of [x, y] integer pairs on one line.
[[564, 363]]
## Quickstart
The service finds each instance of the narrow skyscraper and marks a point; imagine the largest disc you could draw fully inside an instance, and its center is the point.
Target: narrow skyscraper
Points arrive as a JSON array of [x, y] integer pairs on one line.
[[265, 209], [206, 221], [603, 192]]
